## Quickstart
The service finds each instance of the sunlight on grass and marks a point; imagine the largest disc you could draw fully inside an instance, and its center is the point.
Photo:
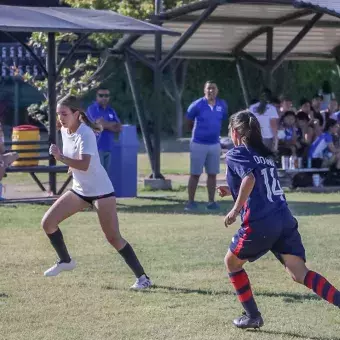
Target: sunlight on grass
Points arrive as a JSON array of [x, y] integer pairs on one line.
[[182, 252]]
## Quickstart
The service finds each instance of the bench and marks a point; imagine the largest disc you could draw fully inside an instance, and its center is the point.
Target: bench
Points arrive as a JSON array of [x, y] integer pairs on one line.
[[286, 175], [43, 150]]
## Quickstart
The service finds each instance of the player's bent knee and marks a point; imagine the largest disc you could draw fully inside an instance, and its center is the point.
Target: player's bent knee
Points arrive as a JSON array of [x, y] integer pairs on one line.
[[297, 279], [232, 264], [47, 224], [115, 240]]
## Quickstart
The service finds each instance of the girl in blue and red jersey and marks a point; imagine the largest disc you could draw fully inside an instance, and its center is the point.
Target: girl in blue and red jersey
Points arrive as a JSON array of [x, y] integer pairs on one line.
[[267, 223]]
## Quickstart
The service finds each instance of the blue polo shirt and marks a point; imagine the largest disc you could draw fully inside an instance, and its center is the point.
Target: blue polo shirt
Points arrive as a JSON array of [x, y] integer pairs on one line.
[[105, 138], [207, 120]]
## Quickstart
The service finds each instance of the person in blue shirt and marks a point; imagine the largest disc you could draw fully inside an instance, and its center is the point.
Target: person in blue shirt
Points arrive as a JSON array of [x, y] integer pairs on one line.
[[323, 152], [267, 222], [103, 114], [205, 117]]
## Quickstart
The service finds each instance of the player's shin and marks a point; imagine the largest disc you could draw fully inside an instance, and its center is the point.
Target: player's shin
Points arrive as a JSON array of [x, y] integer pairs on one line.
[[322, 287], [241, 283], [58, 243]]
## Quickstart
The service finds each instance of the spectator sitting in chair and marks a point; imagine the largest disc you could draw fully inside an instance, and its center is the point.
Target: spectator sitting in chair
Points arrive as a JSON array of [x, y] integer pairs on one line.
[[314, 130], [103, 114], [302, 122], [306, 106], [322, 151], [205, 117], [287, 135], [333, 108]]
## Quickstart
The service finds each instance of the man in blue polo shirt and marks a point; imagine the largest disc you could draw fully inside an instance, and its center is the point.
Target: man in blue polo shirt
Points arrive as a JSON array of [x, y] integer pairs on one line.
[[205, 117], [101, 113]]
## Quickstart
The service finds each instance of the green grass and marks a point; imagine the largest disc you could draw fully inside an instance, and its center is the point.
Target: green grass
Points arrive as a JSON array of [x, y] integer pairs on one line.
[[183, 253], [172, 163]]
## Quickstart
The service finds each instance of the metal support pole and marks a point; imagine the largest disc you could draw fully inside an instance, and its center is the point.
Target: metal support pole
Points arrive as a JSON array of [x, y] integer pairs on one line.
[[140, 114], [52, 103], [157, 104], [270, 43], [187, 35], [157, 100], [268, 73], [16, 101], [280, 58], [240, 72]]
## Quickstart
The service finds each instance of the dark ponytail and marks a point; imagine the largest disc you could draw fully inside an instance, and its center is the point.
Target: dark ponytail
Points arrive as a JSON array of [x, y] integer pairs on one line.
[[73, 104], [265, 97], [249, 129]]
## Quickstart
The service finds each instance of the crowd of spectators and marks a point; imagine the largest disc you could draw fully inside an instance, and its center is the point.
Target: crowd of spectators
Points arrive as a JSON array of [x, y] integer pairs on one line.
[[305, 135]]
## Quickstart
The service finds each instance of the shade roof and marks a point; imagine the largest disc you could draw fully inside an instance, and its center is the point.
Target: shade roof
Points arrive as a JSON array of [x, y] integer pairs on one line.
[[235, 20], [77, 20]]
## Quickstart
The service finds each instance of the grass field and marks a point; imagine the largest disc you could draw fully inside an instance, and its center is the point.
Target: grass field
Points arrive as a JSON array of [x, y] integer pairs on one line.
[[183, 253]]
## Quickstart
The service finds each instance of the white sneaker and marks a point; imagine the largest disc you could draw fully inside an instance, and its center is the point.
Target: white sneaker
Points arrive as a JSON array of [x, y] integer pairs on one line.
[[142, 283], [60, 267]]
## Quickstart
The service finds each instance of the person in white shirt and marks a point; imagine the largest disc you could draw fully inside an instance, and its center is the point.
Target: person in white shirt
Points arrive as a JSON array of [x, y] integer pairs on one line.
[[268, 118], [91, 186]]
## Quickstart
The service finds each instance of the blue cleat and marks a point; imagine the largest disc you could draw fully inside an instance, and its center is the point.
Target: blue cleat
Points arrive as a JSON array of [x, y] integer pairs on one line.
[[246, 322], [213, 206], [191, 206]]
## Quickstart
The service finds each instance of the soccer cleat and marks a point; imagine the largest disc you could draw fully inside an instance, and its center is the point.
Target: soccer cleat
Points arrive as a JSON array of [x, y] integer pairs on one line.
[[191, 206], [213, 206], [60, 267], [245, 322], [142, 283]]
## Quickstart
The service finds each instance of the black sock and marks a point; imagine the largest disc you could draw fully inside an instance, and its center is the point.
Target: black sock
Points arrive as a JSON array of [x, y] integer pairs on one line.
[[131, 259], [58, 244]]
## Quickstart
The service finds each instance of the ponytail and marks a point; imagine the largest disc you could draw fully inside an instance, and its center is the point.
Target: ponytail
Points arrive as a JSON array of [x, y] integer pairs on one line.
[[249, 129], [255, 140], [73, 103], [84, 119]]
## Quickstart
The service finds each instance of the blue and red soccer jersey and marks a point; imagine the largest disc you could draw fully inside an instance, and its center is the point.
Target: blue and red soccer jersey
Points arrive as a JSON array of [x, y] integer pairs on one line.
[[267, 223], [267, 196]]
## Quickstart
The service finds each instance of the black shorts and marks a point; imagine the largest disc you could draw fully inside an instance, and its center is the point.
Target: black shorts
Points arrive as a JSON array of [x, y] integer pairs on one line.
[[91, 199]]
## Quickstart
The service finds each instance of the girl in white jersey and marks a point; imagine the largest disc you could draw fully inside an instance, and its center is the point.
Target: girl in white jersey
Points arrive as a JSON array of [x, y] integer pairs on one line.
[[91, 186]]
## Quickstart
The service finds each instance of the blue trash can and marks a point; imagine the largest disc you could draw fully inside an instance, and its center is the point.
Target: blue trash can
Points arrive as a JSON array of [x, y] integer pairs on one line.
[[123, 170]]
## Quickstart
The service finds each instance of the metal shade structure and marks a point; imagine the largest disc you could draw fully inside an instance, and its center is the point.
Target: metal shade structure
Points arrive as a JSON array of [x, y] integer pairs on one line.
[[229, 26], [76, 20], [262, 32], [52, 20]]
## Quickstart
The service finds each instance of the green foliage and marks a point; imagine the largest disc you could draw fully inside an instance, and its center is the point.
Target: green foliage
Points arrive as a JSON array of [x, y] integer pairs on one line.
[[295, 79], [76, 79], [140, 9]]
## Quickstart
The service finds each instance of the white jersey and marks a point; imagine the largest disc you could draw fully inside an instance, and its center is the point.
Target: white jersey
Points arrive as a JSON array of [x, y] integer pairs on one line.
[[95, 180], [265, 118]]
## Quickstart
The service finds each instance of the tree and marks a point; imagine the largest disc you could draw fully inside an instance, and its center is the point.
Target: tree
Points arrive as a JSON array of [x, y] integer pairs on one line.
[[75, 78], [177, 72], [140, 9]]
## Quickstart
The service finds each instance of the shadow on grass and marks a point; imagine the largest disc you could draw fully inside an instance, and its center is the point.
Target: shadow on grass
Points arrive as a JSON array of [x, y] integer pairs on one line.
[[294, 335], [172, 205], [3, 296], [287, 297]]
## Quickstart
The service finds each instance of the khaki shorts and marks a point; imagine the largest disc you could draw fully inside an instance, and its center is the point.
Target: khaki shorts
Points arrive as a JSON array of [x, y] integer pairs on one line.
[[207, 156]]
